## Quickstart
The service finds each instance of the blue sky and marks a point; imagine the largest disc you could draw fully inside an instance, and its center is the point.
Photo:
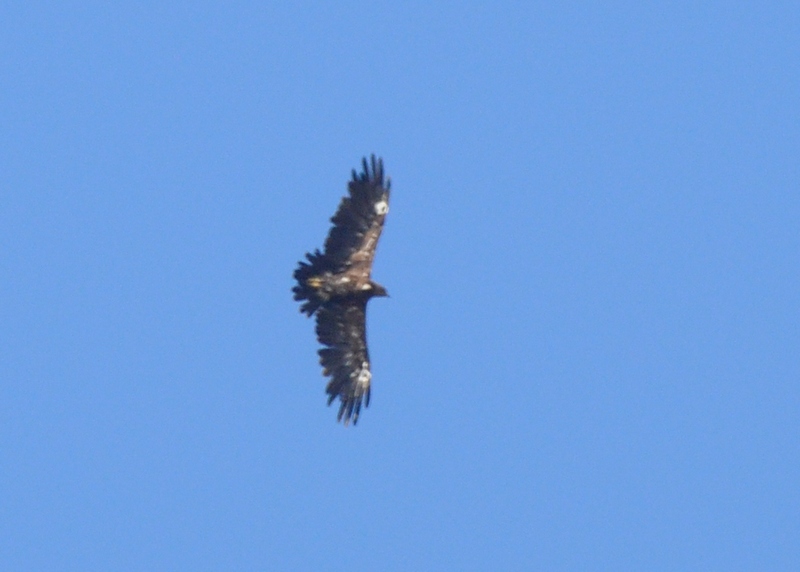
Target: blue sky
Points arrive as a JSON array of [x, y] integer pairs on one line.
[[589, 360]]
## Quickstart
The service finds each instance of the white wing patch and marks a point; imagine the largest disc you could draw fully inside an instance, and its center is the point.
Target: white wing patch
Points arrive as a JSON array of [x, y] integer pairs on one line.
[[381, 207], [362, 375]]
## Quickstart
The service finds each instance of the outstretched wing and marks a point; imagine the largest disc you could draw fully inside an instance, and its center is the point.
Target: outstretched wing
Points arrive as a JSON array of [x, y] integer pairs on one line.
[[341, 326], [350, 246], [358, 222]]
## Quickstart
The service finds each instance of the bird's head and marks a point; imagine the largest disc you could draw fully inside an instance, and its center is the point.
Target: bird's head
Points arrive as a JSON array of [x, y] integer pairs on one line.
[[377, 289]]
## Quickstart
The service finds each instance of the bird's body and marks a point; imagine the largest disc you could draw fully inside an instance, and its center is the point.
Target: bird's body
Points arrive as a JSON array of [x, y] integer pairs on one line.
[[336, 286]]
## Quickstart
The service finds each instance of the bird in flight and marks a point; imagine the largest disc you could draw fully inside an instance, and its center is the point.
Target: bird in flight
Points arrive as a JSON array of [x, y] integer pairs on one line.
[[336, 286]]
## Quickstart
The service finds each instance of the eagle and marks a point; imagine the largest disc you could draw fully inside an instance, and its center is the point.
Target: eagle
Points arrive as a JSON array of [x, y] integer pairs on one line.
[[336, 286]]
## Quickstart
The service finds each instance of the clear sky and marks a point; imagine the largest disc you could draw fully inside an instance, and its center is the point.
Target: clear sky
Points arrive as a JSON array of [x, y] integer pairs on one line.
[[589, 359]]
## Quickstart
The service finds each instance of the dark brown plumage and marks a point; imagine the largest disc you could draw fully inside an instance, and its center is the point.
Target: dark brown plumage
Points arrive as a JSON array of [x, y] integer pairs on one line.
[[336, 285]]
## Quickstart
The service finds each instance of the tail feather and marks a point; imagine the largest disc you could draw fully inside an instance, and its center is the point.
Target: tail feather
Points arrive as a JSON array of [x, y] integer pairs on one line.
[[302, 291]]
